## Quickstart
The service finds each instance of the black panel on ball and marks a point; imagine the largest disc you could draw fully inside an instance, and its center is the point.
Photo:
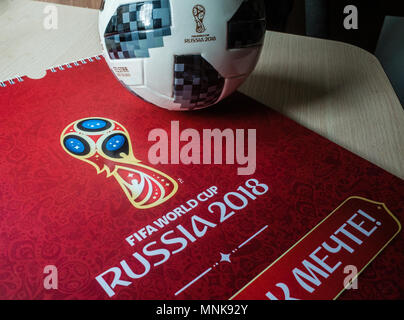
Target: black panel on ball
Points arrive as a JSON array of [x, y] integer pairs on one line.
[[137, 27], [247, 27], [197, 83]]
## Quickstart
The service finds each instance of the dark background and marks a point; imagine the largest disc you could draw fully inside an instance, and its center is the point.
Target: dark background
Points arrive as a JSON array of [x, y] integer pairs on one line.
[[324, 19]]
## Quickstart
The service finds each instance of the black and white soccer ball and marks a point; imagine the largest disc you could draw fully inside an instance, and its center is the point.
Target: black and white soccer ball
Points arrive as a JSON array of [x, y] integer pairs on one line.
[[182, 54]]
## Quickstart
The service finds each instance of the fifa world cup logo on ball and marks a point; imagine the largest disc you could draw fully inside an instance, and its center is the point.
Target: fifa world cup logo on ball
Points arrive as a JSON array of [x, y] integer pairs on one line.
[[106, 145], [199, 14]]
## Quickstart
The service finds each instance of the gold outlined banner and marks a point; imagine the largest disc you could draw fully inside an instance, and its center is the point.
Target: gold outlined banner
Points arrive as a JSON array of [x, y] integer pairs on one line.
[[352, 236]]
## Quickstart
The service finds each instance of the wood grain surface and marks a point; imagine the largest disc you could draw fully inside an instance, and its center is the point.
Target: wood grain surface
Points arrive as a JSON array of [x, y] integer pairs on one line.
[[94, 4], [337, 90]]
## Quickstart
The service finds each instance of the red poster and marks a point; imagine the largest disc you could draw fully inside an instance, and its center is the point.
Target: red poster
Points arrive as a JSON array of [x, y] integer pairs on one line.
[[82, 193]]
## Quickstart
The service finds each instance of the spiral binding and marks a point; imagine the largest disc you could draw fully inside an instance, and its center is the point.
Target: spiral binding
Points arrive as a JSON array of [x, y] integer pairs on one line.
[[62, 67]]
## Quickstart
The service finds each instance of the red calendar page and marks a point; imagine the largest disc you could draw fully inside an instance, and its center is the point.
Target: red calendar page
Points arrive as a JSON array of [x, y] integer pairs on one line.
[[104, 196]]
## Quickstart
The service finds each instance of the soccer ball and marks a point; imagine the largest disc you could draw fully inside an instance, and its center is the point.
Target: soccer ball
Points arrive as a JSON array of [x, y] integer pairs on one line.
[[182, 54]]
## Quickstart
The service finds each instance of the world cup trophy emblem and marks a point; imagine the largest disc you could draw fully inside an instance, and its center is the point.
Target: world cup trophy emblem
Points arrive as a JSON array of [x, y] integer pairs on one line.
[[199, 14], [106, 145]]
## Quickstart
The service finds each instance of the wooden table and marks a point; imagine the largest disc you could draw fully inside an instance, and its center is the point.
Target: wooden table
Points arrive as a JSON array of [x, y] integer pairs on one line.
[[335, 89]]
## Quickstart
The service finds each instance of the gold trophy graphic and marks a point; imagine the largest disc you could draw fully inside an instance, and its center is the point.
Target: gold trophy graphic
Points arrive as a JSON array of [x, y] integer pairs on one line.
[[199, 14], [106, 145]]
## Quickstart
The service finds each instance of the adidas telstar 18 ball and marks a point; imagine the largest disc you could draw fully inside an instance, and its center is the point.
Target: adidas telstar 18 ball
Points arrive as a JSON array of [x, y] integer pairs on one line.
[[182, 54]]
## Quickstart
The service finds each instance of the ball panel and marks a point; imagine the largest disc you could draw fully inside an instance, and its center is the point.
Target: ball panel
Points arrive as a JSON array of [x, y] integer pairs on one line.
[[250, 10], [247, 27], [154, 97], [140, 16], [231, 85], [196, 83], [129, 73], [137, 27]]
